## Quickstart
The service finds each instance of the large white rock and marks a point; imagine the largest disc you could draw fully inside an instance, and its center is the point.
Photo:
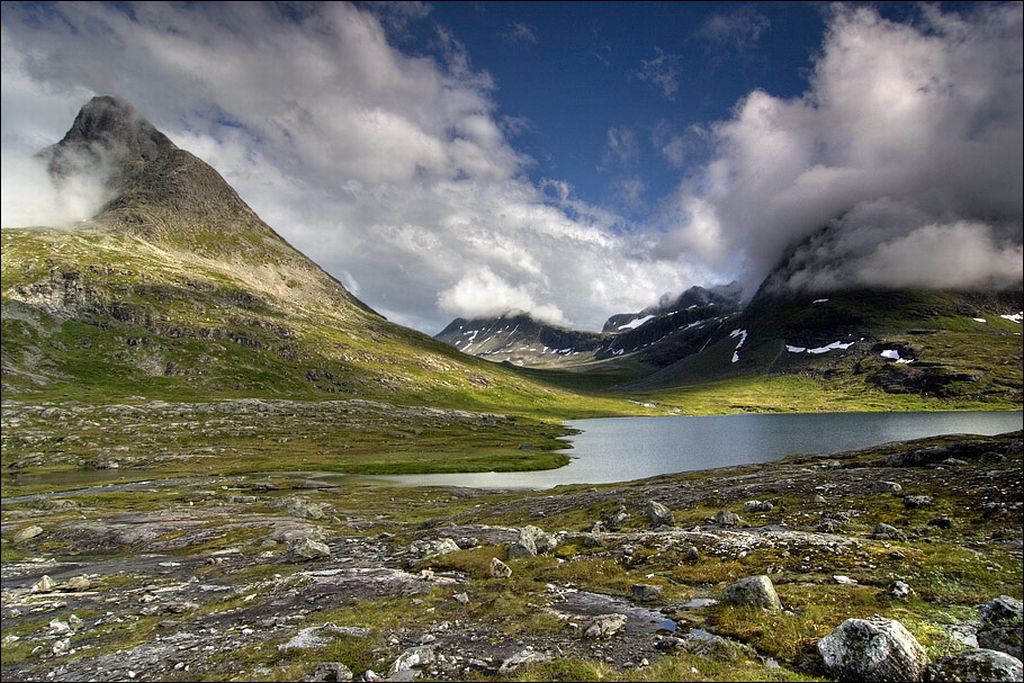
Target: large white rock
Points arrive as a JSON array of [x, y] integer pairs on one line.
[[874, 649], [753, 591]]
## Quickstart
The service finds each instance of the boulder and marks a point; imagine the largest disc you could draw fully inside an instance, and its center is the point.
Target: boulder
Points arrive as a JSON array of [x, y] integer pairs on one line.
[[605, 626], [914, 502], [76, 584], [643, 592], [519, 659], [615, 521], [753, 591], [975, 665], [43, 585], [874, 649], [307, 549], [898, 590], [304, 509], [885, 531], [1001, 626], [886, 487], [424, 549], [28, 533], [330, 672], [543, 542], [412, 658], [941, 522], [691, 554], [524, 547], [658, 514], [758, 506], [726, 518], [499, 570]]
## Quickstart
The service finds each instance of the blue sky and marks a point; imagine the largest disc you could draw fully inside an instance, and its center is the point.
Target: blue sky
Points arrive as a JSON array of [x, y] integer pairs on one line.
[[573, 160]]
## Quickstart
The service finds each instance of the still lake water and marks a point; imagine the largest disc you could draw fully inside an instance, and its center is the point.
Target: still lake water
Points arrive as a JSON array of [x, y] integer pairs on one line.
[[627, 448]]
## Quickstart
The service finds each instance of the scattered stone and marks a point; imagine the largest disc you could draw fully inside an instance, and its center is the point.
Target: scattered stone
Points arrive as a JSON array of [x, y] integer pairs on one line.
[[28, 533], [370, 675], [462, 598], [524, 547], [726, 518], [75, 622], [758, 506], [914, 502], [521, 658], [425, 549], [61, 647], [411, 658], [704, 644], [307, 549], [43, 585], [1001, 626], [844, 580], [829, 526], [543, 542], [886, 487], [754, 591], [658, 514], [643, 592], [691, 554], [605, 626], [819, 499], [976, 665], [500, 570], [617, 519], [885, 531], [330, 672], [59, 628], [941, 522], [302, 508], [75, 584], [899, 590], [874, 649]]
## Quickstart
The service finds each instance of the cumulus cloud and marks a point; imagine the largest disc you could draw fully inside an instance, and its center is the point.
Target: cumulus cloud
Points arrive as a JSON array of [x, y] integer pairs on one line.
[[907, 144], [662, 72], [392, 170], [483, 294]]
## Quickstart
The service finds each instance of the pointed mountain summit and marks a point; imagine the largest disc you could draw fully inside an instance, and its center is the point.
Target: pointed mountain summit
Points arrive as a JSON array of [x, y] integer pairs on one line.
[[176, 288]]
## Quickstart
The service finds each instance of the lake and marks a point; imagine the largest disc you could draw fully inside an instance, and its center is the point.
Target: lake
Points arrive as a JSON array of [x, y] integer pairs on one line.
[[627, 448]]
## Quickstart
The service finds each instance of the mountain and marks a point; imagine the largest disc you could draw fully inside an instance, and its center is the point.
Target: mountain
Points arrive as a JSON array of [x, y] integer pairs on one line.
[[519, 339], [177, 289], [940, 343], [655, 336]]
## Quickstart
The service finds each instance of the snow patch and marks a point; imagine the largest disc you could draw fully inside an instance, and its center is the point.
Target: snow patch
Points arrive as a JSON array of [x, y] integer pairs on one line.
[[894, 354], [979, 320], [635, 323], [1014, 318], [821, 349], [819, 301], [742, 334]]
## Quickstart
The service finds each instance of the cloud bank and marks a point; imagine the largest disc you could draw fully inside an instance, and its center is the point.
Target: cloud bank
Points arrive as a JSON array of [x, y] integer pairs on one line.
[[907, 144], [391, 170]]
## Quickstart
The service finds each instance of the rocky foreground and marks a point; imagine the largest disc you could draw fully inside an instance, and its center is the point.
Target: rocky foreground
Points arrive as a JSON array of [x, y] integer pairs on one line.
[[897, 563]]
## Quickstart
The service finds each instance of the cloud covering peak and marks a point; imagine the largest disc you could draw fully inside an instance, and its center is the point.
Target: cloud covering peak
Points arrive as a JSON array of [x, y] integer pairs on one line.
[[908, 143]]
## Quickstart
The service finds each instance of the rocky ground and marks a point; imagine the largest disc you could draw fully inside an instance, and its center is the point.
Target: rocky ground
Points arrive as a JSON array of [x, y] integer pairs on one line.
[[742, 573]]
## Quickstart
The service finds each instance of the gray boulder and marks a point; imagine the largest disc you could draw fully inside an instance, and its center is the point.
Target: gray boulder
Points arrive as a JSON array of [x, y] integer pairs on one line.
[[306, 549], [411, 658], [914, 502], [605, 626], [691, 554], [425, 548], [726, 518], [330, 672], [976, 665], [499, 570], [753, 591], [615, 521], [543, 542], [28, 533], [888, 532], [521, 658], [899, 590], [874, 649], [524, 547], [758, 506], [643, 592], [658, 514], [1001, 626], [886, 487]]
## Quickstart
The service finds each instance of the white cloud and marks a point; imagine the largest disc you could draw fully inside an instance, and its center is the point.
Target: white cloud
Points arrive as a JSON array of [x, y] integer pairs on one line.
[[483, 294], [739, 29], [520, 33], [662, 71], [621, 147], [392, 171], [910, 133]]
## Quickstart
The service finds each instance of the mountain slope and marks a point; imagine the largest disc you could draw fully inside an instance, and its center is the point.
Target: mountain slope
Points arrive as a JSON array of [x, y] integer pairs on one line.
[[521, 340], [944, 344], [177, 289]]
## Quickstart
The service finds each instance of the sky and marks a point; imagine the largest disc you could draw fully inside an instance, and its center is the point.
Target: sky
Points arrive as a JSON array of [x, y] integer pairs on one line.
[[573, 160]]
